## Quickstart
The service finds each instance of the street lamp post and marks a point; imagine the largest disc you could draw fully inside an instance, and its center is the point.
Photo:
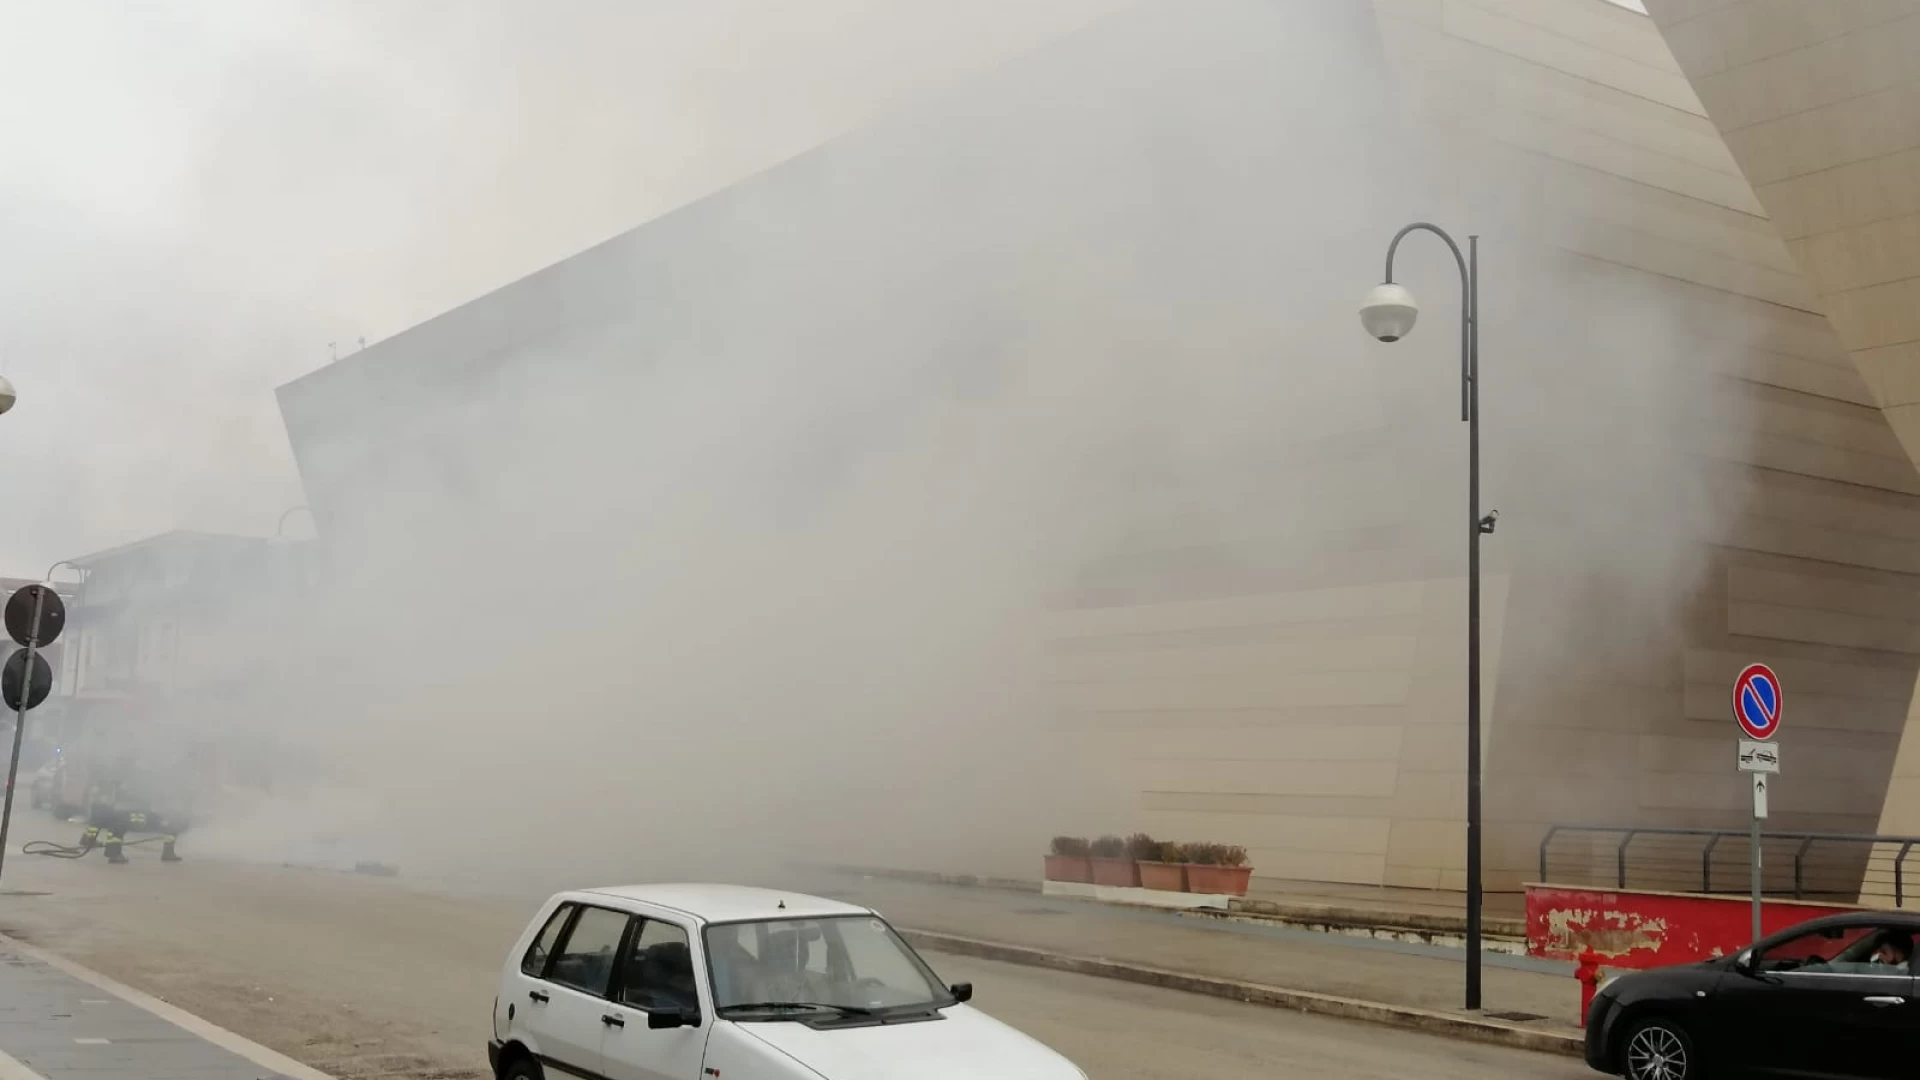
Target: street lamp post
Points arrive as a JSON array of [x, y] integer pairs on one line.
[[73, 621], [280, 529], [1389, 314]]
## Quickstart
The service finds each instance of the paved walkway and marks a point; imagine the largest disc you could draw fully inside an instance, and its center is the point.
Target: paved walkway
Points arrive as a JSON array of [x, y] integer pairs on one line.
[[1392, 972], [55, 1025]]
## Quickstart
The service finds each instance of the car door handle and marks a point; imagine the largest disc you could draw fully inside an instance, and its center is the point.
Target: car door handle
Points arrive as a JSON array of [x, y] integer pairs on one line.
[[539, 996], [1883, 1002], [613, 1021]]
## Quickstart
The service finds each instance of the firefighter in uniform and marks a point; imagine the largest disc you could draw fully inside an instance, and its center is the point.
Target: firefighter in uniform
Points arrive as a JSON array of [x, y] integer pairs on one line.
[[106, 826], [115, 809]]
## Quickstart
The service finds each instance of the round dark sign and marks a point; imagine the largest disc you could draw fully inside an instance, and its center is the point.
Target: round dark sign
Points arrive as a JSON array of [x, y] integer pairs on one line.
[[37, 687], [19, 615]]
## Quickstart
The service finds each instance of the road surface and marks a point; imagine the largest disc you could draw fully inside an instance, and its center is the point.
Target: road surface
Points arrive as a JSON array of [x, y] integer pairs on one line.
[[1120, 1031], [365, 977]]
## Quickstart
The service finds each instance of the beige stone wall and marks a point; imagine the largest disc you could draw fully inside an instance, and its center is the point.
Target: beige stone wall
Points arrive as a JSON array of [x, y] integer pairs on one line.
[[1296, 685], [1816, 521], [1815, 518], [1817, 104], [1322, 727]]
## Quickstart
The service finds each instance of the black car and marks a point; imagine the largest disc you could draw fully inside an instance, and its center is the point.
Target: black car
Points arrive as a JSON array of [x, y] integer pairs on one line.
[[1831, 998]]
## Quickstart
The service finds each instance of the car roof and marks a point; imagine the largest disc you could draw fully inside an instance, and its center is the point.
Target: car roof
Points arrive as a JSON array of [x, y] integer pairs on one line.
[[729, 903], [1905, 919]]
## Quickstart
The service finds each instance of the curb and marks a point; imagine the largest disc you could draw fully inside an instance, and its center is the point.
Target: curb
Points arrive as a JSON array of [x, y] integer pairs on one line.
[[1360, 918], [1452, 1025], [1334, 921]]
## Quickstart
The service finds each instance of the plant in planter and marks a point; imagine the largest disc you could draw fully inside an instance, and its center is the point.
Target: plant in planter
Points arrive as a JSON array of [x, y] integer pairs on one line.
[[1160, 864], [1217, 869], [1068, 860], [1111, 865]]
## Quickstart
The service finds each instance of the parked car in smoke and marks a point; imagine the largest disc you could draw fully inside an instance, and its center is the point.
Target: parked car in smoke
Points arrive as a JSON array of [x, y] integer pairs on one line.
[[690, 982], [1833, 997]]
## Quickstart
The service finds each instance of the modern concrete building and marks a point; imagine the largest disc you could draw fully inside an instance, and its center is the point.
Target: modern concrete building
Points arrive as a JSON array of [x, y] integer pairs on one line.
[[178, 624], [1696, 320], [1818, 105]]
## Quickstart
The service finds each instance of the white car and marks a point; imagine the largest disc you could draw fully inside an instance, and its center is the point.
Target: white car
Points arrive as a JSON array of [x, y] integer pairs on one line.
[[721, 982]]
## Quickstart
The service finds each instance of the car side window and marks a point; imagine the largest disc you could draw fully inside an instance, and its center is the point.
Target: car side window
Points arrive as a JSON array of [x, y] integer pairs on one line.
[[584, 960], [1884, 951], [1814, 951], [658, 975], [535, 962]]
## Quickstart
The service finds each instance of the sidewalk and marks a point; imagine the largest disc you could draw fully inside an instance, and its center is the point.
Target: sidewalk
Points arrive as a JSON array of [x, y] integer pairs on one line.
[[1535, 994], [60, 1022]]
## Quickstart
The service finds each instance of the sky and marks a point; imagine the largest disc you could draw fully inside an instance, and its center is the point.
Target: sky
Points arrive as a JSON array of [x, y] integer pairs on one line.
[[202, 200]]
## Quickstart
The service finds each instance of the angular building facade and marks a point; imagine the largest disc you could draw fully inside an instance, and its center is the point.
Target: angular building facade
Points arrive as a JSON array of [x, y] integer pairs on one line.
[[1146, 242], [1817, 103]]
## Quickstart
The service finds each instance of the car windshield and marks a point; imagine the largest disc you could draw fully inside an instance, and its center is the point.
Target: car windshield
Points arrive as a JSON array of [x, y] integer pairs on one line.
[[783, 968]]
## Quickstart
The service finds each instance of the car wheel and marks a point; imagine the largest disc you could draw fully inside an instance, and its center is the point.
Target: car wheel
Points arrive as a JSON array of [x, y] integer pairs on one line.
[[522, 1067], [1659, 1049]]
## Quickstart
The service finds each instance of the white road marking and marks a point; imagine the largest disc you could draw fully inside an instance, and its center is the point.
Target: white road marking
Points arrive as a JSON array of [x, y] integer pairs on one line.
[[218, 1036], [93, 1042], [95, 1001]]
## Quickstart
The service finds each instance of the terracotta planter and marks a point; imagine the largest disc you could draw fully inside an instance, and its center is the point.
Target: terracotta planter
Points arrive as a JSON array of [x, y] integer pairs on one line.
[[1165, 876], [1075, 868], [1124, 873], [1218, 880]]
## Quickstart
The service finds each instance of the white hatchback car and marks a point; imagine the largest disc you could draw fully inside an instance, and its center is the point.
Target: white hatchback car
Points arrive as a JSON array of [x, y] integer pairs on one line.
[[721, 982]]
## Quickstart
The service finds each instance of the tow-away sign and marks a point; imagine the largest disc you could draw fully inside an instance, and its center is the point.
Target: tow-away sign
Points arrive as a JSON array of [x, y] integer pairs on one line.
[[1759, 757]]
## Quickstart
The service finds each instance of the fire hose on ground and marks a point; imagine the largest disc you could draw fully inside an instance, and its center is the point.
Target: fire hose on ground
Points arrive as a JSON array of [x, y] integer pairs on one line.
[[111, 840], [75, 851]]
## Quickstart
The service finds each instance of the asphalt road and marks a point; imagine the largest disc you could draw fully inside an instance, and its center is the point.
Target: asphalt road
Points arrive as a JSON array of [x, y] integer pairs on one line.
[[381, 978], [1119, 1031]]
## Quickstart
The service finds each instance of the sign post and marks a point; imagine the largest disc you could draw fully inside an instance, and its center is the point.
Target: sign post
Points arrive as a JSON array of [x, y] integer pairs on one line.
[[1756, 706], [34, 615]]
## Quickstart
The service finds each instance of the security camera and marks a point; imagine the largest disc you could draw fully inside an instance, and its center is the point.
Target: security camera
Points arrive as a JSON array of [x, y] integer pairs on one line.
[[1389, 312], [7, 396], [1487, 523]]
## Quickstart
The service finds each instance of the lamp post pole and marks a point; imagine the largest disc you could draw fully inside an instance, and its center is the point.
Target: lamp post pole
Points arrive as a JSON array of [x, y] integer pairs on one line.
[[73, 623], [1389, 314], [280, 529]]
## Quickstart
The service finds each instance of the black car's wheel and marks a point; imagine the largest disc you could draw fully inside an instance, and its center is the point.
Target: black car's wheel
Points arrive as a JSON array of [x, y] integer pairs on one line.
[[1659, 1049]]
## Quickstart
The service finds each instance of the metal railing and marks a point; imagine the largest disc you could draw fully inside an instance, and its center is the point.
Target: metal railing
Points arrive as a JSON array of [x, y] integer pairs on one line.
[[1844, 867]]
